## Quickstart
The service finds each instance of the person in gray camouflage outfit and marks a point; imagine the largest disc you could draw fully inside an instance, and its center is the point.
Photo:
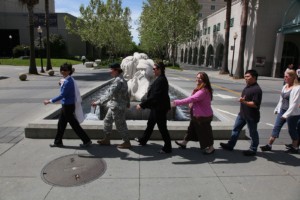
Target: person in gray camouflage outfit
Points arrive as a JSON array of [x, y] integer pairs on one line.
[[117, 99]]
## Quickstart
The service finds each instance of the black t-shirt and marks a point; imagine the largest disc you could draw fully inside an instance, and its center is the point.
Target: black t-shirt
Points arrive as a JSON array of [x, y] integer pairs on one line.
[[251, 93]]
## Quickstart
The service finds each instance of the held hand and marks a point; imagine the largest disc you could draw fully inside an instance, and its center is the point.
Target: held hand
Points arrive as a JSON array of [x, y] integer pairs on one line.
[[241, 99], [93, 104], [173, 104], [138, 107], [46, 102]]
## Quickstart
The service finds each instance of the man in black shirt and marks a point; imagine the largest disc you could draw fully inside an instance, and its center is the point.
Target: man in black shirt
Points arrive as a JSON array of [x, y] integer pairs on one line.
[[249, 114]]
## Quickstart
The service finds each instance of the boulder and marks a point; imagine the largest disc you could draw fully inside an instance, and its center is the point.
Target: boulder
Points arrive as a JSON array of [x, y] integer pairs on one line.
[[23, 76]]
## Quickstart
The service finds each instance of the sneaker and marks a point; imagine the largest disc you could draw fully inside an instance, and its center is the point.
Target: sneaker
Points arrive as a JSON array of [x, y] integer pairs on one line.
[[84, 145], [124, 145], [249, 153], [56, 145], [292, 150], [266, 148], [288, 146], [226, 146]]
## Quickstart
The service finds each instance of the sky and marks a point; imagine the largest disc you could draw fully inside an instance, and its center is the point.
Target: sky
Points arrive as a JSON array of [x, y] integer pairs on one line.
[[72, 7]]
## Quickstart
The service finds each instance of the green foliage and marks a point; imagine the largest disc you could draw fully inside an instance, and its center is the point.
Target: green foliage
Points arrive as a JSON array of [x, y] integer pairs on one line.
[[21, 50], [104, 26], [166, 23], [57, 46], [22, 62]]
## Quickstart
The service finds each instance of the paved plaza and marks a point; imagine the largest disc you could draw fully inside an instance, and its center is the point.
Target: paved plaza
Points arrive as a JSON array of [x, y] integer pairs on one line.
[[139, 173]]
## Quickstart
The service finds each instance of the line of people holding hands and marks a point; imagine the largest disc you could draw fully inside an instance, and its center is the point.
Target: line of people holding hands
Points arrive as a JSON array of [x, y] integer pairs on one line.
[[117, 100]]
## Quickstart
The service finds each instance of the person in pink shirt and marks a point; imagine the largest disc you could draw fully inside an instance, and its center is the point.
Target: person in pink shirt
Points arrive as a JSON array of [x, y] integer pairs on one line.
[[201, 115]]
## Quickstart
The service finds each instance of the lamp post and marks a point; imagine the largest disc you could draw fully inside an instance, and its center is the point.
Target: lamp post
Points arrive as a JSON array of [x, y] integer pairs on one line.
[[10, 45], [234, 38], [40, 31]]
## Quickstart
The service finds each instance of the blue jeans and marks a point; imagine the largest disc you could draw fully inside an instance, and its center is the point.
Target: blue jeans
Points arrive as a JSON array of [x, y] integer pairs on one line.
[[279, 122], [238, 126], [293, 123]]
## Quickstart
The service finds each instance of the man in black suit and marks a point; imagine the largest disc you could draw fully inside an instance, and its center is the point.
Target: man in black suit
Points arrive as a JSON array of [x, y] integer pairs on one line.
[[158, 101]]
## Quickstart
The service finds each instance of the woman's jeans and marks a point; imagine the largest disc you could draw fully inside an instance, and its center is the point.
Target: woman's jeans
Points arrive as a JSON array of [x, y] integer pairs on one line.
[[279, 122], [238, 126]]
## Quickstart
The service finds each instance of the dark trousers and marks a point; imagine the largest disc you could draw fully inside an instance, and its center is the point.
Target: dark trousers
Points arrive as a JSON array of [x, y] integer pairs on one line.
[[67, 115], [159, 118], [200, 130]]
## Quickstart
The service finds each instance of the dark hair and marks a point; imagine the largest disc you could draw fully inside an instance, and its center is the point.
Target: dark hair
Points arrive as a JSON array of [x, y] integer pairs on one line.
[[253, 73], [66, 67], [205, 84], [161, 66], [117, 67]]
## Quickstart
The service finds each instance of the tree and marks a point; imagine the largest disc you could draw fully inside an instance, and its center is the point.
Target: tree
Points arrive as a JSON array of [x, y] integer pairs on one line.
[[48, 66], [30, 5], [104, 26], [224, 68], [239, 73], [158, 35]]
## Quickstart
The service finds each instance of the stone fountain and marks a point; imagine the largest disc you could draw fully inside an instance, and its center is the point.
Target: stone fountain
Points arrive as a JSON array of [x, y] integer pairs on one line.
[[139, 74]]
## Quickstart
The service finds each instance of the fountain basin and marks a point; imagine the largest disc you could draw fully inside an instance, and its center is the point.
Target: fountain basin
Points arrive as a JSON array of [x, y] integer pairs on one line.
[[45, 128]]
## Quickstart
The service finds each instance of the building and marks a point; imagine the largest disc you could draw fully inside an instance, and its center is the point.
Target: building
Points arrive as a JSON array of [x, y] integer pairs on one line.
[[14, 27], [272, 39], [210, 6]]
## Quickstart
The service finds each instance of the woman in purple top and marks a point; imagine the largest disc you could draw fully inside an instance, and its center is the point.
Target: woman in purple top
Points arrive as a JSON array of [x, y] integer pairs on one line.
[[201, 115]]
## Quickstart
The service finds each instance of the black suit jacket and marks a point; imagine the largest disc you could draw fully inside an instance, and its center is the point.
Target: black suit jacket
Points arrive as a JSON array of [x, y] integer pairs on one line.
[[158, 95]]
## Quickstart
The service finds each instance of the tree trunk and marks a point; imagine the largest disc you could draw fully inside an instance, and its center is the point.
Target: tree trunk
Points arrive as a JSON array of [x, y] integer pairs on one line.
[[32, 66], [239, 73], [49, 66], [224, 69]]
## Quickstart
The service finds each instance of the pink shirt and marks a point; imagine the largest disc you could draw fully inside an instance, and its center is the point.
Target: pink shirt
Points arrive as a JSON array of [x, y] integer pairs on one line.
[[201, 103]]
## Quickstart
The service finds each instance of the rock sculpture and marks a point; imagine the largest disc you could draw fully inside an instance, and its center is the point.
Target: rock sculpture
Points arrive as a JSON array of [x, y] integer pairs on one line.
[[139, 74]]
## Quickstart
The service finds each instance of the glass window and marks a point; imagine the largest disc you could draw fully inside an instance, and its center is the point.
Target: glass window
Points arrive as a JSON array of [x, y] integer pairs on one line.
[[212, 7], [208, 30], [231, 22]]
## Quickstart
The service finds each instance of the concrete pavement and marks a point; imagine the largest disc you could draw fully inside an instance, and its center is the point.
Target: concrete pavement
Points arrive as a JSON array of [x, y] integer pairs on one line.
[[139, 173]]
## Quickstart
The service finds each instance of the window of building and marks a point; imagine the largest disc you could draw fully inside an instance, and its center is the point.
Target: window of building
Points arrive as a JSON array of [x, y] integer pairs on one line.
[[215, 28], [208, 30], [199, 15], [218, 26], [231, 23], [205, 31], [212, 7], [200, 33]]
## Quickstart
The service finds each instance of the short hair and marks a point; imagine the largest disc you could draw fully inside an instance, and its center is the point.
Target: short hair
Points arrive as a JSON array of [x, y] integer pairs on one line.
[[117, 67], [253, 73], [66, 67]]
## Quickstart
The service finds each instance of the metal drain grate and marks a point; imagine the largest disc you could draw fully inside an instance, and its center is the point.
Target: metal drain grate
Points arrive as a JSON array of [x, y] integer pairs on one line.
[[73, 170]]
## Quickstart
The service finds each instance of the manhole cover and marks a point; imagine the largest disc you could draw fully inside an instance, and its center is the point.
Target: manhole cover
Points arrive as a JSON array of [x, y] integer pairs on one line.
[[73, 170]]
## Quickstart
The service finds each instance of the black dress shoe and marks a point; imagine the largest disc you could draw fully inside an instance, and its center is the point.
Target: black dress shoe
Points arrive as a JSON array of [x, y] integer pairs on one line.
[[164, 151], [139, 141], [249, 153], [56, 145], [180, 145], [84, 145], [206, 152], [226, 146]]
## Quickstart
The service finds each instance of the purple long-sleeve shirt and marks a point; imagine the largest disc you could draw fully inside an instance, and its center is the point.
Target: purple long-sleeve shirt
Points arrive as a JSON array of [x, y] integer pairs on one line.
[[201, 101]]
